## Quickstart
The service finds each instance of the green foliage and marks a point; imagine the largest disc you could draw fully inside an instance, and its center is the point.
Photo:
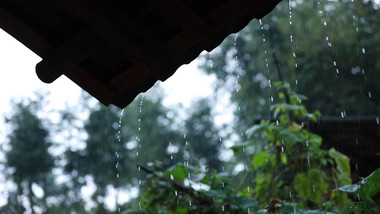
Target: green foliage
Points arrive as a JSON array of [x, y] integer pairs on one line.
[[366, 188], [350, 28], [28, 156], [173, 191], [287, 163]]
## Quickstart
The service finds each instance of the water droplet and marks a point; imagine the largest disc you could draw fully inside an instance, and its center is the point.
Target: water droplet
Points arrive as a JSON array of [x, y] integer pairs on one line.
[[343, 114], [248, 188], [369, 95], [308, 161], [117, 175], [222, 208], [277, 123], [296, 82], [324, 23], [176, 193], [172, 177], [334, 63], [356, 167], [377, 120], [337, 71], [313, 188], [363, 50], [171, 157], [190, 203], [290, 194], [282, 149]]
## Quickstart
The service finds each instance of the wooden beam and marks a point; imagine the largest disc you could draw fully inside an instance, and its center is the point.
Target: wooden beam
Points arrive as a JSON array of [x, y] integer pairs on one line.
[[68, 55], [23, 33], [130, 78], [90, 84], [184, 17], [123, 31]]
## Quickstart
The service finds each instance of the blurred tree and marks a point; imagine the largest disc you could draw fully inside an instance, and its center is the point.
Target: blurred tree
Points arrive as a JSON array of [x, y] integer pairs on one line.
[[202, 135], [28, 159], [327, 53]]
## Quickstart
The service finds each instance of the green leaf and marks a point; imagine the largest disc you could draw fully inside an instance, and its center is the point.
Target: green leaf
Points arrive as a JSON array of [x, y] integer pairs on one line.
[[237, 149], [181, 210], [257, 129], [310, 186], [366, 188], [260, 159], [316, 140], [291, 137], [245, 203], [284, 158], [178, 173], [342, 162]]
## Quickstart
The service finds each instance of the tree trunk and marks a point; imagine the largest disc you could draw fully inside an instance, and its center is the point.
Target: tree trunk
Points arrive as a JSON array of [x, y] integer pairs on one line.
[[30, 197]]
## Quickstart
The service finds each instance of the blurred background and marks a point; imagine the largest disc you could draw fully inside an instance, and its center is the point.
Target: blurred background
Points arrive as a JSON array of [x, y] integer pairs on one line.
[[64, 152]]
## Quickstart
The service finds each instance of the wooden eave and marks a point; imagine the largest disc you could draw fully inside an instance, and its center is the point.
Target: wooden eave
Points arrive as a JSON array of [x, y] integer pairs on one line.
[[116, 49]]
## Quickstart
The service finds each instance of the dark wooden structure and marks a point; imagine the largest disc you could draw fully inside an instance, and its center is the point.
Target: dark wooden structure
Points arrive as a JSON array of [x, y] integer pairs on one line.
[[358, 137], [115, 49]]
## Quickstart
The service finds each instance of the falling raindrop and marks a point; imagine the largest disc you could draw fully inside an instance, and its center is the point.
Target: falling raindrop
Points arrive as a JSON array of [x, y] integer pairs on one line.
[[363, 50], [369, 95], [377, 120], [290, 194], [308, 161], [313, 188], [190, 203], [343, 114]]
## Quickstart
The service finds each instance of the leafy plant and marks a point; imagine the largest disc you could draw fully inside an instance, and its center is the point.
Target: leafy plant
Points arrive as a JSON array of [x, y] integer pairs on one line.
[[288, 162], [173, 191], [364, 191]]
